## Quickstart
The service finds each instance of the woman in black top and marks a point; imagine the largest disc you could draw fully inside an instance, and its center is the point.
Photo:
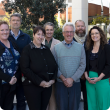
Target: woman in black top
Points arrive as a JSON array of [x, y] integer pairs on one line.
[[40, 71], [97, 70], [9, 68]]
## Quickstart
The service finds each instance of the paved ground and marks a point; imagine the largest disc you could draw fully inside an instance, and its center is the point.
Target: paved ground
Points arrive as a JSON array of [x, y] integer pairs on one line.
[[80, 107]]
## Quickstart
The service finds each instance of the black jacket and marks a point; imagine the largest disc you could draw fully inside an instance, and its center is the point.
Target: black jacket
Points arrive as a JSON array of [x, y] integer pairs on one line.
[[103, 62], [36, 64]]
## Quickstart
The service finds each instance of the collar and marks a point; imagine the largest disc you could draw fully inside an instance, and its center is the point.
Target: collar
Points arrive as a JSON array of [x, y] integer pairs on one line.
[[33, 46], [69, 43], [14, 34]]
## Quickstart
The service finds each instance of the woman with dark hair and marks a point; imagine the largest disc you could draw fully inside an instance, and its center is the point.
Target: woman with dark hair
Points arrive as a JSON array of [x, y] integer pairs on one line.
[[9, 68], [40, 71], [97, 70]]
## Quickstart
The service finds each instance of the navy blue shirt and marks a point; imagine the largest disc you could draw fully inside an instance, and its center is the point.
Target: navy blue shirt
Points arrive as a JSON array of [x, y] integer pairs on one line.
[[21, 41]]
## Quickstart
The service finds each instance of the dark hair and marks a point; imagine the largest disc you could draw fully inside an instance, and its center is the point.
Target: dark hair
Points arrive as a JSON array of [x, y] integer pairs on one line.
[[103, 39], [36, 29], [3, 22]]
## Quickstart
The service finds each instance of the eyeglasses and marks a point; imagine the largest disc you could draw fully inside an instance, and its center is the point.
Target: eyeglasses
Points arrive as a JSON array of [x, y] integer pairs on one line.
[[71, 32], [94, 33]]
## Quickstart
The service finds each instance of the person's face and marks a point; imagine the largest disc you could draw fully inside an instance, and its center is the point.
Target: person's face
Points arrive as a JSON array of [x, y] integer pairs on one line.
[[4, 32], [68, 34], [15, 22], [38, 37], [49, 31], [95, 35], [80, 28]]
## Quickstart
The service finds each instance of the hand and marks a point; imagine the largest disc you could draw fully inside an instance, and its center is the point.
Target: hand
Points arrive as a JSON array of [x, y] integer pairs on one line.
[[45, 84], [13, 80], [69, 81], [52, 82], [90, 80], [95, 79]]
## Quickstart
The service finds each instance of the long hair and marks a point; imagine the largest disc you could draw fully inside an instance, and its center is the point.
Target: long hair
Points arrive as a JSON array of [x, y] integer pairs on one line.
[[90, 42]]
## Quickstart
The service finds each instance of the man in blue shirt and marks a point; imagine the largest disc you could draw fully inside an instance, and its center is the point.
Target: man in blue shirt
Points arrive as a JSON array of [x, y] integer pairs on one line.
[[21, 39]]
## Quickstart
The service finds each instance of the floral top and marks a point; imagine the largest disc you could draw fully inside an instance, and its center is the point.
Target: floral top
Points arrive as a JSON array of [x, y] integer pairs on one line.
[[9, 60]]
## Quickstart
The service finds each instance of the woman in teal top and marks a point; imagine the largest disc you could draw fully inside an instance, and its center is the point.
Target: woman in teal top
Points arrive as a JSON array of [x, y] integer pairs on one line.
[[97, 70], [9, 68]]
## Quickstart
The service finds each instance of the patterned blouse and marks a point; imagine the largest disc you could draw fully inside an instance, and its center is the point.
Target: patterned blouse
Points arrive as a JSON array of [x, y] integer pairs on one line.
[[9, 60]]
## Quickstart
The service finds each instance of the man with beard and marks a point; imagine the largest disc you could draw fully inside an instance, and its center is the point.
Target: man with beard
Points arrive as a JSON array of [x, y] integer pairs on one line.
[[80, 37]]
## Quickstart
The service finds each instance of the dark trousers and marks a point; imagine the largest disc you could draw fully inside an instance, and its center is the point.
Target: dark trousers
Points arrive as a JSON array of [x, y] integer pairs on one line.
[[7, 96], [67, 98], [37, 97], [21, 105], [83, 89]]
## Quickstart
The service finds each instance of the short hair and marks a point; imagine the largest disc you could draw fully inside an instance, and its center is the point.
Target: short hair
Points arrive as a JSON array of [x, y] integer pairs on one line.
[[3, 22], [16, 15], [108, 28], [68, 24], [49, 23], [79, 21], [36, 29]]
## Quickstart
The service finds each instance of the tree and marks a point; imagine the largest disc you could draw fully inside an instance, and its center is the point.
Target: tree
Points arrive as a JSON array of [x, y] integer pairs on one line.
[[100, 19], [33, 10]]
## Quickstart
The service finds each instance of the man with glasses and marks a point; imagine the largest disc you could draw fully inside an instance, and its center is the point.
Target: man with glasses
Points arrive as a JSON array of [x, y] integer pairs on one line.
[[80, 37], [70, 57], [21, 39]]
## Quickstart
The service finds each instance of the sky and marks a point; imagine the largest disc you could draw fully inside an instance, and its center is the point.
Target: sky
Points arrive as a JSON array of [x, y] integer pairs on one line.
[[105, 2]]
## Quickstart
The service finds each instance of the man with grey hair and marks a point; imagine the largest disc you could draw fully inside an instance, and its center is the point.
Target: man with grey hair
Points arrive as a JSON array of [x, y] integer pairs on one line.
[[70, 57], [50, 42], [21, 39]]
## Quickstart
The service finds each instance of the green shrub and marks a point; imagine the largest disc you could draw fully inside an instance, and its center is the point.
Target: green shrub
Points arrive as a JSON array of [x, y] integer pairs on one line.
[[58, 34], [29, 32]]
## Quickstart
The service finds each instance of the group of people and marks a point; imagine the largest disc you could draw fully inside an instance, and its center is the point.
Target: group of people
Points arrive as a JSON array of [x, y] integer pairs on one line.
[[50, 74]]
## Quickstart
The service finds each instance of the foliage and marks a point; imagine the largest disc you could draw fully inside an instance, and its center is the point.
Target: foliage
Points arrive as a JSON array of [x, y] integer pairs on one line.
[[100, 19], [58, 34], [33, 10], [29, 32], [6, 18]]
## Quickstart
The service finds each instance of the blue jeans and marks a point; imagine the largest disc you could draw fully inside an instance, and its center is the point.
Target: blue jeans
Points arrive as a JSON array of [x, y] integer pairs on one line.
[[21, 105], [67, 98]]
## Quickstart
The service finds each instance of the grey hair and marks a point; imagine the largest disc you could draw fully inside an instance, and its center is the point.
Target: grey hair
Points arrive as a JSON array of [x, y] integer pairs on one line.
[[108, 28], [16, 15], [68, 24], [49, 23]]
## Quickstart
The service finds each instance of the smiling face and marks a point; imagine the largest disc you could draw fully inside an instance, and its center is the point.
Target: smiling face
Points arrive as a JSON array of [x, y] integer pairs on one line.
[[15, 22], [38, 37], [68, 34], [4, 32], [49, 31], [80, 28], [95, 35]]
